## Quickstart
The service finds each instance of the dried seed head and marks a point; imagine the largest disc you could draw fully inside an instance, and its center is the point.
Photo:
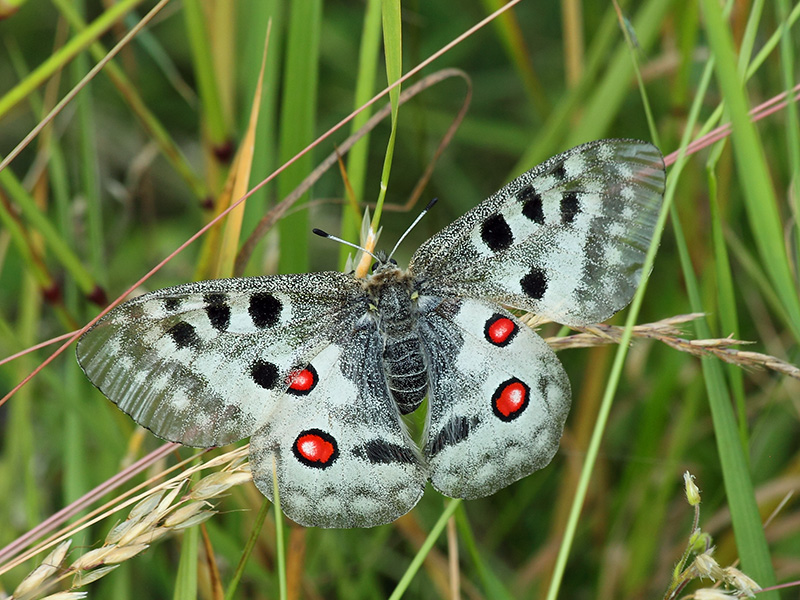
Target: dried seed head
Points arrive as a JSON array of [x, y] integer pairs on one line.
[[136, 530], [711, 594], [145, 506], [49, 567], [117, 532], [239, 463], [741, 582], [166, 504], [230, 459], [195, 520], [121, 554], [83, 578], [216, 483], [704, 565], [66, 596], [151, 535], [93, 558], [56, 557], [181, 514], [34, 581]]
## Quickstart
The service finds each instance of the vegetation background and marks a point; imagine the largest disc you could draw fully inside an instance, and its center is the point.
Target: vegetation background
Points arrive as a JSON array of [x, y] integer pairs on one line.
[[138, 161]]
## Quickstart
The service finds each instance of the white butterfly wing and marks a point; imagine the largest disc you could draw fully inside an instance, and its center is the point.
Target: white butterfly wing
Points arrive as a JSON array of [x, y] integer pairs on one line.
[[204, 363], [565, 240], [342, 456], [498, 397]]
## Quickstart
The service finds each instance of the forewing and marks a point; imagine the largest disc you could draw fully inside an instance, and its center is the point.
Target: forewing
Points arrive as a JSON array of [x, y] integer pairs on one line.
[[566, 240], [340, 451], [204, 363], [498, 398]]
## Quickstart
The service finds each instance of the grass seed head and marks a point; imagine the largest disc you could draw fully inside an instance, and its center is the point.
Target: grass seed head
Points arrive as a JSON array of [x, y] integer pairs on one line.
[[744, 584], [711, 594], [692, 491], [66, 596], [705, 565]]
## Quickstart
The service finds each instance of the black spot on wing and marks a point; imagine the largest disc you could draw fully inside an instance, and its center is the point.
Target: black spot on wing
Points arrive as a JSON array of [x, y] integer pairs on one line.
[[496, 233], [531, 204], [559, 172], [534, 284], [456, 430], [218, 311], [184, 335], [172, 304], [570, 207], [135, 310], [383, 452], [264, 309], [264, 373]]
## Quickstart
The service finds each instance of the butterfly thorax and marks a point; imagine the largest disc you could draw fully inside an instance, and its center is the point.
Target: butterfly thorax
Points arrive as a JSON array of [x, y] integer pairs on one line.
[[394, 308]]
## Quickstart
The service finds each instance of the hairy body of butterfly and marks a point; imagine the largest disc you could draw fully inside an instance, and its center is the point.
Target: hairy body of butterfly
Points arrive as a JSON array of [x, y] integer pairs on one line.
[[394, 306], [318, 368]]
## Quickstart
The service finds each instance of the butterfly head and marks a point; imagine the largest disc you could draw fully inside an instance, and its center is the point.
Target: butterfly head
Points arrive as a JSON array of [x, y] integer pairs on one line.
[[384, 273], [382, 262]]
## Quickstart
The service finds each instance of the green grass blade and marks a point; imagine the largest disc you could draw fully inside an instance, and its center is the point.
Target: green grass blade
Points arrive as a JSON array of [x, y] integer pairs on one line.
[[605, 407], [204, 70], [298, 116], [759, 195], [280, 538], [186, 578], [230, 593], [357, 158], [726, 298], [492, 585], [59, 247], [65, 54], [606, 99], [255, 15], [750, 540], [511, 35], [789, 64], [416, 563], [393, 50], [129, 92]]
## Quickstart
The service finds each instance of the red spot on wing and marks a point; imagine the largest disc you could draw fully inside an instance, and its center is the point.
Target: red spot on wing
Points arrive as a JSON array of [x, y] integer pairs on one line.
[[315, 448], [510, 399], [500, 330], [302, 381]]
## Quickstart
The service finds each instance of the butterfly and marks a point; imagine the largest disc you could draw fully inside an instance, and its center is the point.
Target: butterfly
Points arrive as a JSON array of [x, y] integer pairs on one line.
[[318, 369]]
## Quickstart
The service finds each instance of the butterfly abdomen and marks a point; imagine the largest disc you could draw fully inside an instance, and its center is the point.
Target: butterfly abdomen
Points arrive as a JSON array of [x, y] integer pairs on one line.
[[405, 372], [397, 315]]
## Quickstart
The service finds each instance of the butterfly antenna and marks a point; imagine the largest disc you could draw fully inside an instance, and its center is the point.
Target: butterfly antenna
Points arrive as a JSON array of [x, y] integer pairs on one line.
[[414, 224], [327, 235]]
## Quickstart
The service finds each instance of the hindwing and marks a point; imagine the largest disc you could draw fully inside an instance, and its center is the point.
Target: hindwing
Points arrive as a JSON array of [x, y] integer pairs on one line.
[[342, 455], [498, 397]]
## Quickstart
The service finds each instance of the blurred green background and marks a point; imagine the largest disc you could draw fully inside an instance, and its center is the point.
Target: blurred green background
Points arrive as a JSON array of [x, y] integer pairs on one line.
[[131, 168]]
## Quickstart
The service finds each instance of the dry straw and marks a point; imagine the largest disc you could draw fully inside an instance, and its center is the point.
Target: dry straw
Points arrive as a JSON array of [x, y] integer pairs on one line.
[[668, 332], [171, 506]]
